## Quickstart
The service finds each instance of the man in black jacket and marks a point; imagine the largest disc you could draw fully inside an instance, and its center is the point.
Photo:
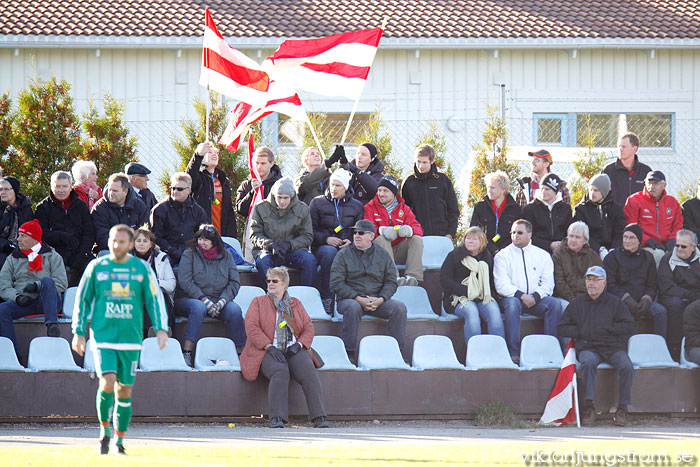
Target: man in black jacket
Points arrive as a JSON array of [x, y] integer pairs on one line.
[[496, 213], [175, 220], [211, 189], [604, 217], [269, 172], [601, 325], [632, 277], [626, 173], [366, 171], [119, 205], [549, 218], [431, 196], [67, 227], [679, 285], [691, 213], [138, 177]]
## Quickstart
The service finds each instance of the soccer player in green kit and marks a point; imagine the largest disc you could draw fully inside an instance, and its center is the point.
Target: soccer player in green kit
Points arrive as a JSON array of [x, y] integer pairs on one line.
[[116, 289]]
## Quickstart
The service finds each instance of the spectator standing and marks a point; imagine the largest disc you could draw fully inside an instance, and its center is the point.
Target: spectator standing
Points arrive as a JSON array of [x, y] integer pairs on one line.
[[626, 174], [530, 185], [332, 216], [549, 218], [312, 181], [632, 277], [366, 171], [398, 230], [269, 172], [431, 196], [16, 209], [67, 226], [363, 277], [601, 324], [691, 213], [496, 213], [85, 177], [138, 178], [175, 220]]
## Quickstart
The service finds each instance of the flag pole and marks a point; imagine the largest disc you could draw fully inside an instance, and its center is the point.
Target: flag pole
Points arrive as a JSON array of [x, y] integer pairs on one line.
[[206, 119], [313, 133], [357, 101], [578, 416]]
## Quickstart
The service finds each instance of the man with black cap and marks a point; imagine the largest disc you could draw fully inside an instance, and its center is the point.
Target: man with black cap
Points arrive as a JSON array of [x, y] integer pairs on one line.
[[632, 277], [366, 171], [31, 280], [398, 230], [601, 324], [604, 217], [281, 233], [363, 277], [626, 173], [529, 186], [549, 218], [657, 213], [138, 177]]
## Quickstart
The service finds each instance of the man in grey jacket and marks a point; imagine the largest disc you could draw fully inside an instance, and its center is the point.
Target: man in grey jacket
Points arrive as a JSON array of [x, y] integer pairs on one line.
[[282, 232], [31, 280], [363, 277]]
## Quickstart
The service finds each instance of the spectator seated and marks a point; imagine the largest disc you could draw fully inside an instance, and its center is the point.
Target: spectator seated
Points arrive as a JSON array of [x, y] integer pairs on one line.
[[168, 359], [332, 351], [486, 351], [684, 361], [311, 298], [434, 353], [380, 353], [8, 357], [539, 351], [649, 350], [216, 354], [50, 354]]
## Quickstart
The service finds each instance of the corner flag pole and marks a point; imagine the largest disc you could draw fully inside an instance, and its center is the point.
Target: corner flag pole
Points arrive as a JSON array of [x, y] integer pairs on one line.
[[578, 416]]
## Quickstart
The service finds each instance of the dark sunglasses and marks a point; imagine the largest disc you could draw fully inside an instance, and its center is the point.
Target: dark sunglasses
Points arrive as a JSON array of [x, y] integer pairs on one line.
[[206, 228], [683, 247], [179, 188], [273, 281], [357, 232]]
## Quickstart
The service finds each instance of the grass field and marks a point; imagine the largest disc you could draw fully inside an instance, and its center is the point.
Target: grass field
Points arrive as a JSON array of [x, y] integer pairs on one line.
[[503, 452]]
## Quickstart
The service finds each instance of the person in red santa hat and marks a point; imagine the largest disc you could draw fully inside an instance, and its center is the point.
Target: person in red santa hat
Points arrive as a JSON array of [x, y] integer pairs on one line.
[[31, 280]]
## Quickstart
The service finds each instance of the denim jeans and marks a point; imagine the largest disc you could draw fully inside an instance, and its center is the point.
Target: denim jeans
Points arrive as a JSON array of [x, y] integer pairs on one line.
[[475, 312], [659, 317], [548, 308], [393, 311], [620, 360], [675, 306], [300, 259], [195, 311], [48, 304], [325, 254]]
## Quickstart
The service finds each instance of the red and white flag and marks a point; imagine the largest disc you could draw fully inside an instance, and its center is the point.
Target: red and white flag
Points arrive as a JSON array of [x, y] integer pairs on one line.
[[229, 71], [336, 65], [280, 99], [562, 405]]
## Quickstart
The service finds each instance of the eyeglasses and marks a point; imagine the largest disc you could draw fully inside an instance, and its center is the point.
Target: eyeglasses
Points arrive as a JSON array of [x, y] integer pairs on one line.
[[179, 188], [683, 247], [594, 279], [6, 189], [273, 281], [357, 232]]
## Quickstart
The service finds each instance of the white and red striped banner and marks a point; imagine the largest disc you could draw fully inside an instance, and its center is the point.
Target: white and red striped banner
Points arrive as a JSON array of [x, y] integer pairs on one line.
[[562, 405], [229, 71], [336, 65]]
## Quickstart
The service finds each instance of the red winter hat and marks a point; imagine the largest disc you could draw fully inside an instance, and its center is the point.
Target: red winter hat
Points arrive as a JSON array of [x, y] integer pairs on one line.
[[31, 229]]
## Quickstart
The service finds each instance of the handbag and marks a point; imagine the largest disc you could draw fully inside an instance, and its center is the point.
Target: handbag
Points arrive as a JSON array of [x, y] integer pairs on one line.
[[315, 356]]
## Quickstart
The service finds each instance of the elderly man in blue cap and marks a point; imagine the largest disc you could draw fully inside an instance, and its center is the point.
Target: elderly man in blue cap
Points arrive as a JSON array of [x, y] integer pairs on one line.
[[138, 177], [601, 324]]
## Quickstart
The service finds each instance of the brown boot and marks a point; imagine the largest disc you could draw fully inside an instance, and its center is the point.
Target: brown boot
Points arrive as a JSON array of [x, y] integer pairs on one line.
[[588, 417], [620, 418]]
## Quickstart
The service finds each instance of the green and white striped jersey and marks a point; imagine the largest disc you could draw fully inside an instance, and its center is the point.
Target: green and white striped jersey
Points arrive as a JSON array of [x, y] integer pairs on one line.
[[115, 294]]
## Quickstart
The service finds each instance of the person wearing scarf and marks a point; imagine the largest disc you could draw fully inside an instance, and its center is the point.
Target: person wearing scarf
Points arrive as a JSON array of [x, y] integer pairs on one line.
[[30, 283], [467, 280], [280, 333], [208, 282]]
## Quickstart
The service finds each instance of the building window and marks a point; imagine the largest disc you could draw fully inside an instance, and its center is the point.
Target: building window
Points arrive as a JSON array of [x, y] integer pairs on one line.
[[654, 130]]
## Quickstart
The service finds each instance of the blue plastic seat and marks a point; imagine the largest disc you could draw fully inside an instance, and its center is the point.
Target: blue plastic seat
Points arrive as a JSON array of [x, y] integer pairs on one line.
[[216, 354], [69, 301], [236, 245], [380, 353], [431, 352], [332, 351], [649, 350], [246, 294], [89, 358], [8, 357], [416, 300], [485, 351], [435, 250], [311, 299], [685, 363], [540, 351], [168, 359], [50, 354]]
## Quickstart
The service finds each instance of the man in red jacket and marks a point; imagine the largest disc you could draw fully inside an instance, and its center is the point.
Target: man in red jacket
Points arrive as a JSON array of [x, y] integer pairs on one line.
[[657, 213], [397, 229]]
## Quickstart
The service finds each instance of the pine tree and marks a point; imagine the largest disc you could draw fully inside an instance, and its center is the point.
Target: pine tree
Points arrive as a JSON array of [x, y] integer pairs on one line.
[[587, 164]]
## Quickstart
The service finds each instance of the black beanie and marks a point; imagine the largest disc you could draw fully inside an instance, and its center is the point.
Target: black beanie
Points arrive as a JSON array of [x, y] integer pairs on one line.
[[389, 182], [371, 148], [635, 229], [14, 183], [552, 181]]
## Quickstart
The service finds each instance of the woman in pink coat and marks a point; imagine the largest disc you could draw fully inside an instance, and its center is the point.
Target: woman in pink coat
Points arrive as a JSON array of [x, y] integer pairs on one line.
[[280, 333]]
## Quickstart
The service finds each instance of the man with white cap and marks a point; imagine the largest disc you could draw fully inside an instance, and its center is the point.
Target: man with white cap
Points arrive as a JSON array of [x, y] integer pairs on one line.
[[332, 216], [604, 217], [601, 324], [398, 230], [549, 218], [281, 233]]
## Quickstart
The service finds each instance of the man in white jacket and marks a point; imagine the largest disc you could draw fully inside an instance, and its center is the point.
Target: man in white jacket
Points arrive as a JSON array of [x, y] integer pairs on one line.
[[524, 277]]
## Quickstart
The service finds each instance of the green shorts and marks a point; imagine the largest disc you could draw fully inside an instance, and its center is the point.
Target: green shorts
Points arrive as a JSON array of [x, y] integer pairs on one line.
[[121, 362]]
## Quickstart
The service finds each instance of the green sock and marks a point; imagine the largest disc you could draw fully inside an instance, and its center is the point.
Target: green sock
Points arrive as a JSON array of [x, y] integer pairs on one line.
[[122, 417], [104, 401]]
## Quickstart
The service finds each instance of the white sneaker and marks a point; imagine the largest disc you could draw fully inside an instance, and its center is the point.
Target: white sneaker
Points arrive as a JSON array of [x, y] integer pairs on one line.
[[402, 281], [410, 280]]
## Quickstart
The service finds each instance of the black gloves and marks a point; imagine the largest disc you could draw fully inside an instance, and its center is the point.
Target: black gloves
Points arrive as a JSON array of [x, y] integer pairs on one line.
[[643, 306], [70, 241], [23, 300], [670, 244], [630, 302], [276, 354], [293, 349], [337, 156], [280, 248], [655, 244], [32, 287]]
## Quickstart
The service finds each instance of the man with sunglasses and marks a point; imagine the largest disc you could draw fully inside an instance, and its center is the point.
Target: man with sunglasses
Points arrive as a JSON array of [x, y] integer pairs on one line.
[[176, 219], [363, 277], [679, 285]]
